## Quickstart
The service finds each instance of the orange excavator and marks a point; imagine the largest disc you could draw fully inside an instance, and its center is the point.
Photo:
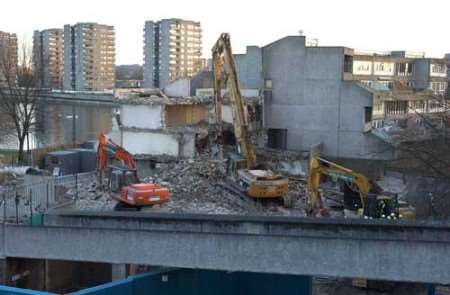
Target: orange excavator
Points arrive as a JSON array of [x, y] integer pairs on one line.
[[131, 194]]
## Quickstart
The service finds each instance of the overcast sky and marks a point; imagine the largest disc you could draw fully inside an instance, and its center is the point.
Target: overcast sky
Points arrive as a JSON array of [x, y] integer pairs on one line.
[[378, 25]]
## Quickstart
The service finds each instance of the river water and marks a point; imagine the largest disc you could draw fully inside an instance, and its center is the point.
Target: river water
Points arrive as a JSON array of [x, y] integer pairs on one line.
[[58, 123]]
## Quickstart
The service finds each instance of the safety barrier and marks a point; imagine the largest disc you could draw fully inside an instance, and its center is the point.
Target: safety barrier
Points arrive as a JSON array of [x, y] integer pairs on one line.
[[4, 290], [27, 202]]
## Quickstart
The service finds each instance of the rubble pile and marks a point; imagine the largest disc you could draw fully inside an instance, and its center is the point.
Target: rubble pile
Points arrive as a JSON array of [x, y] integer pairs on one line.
[[85, 196], [199, 186], [7, 178], [196, 186]]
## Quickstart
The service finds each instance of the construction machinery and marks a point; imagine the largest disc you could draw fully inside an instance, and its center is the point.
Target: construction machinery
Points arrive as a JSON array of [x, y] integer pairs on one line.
[[370, 201], [123, 181], [256, 183]]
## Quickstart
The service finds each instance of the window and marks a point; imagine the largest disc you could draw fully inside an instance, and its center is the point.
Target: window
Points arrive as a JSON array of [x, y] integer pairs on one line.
[[277, 138], [401, 69], [417, 106], [348, 64], [378, 108], [396, 108], [361, 67], [438, 68], [438, 87], [410, 69], [367, 114], [377, 123], [384, 68]]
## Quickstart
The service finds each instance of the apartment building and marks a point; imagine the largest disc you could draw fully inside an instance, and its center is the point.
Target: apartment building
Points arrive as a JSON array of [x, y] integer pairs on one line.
[[89, 57], [411, 69], [8, 53], [172, 50], [48, 57], [339, 98]]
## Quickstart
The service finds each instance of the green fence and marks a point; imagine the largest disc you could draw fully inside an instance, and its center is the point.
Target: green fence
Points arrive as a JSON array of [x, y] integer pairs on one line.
[[199, 282]]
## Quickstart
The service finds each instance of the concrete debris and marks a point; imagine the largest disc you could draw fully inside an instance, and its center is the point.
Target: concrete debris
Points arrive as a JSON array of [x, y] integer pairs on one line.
[[393, 182], [156, 96], [197, 186], [87, 198], [292, 168]]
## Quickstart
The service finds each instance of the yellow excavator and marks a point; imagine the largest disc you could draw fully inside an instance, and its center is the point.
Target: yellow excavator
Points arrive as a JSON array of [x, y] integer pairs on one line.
[[256, 183], [370, 202]]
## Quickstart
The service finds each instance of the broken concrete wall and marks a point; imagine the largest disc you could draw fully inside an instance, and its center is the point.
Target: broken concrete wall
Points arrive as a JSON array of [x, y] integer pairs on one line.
[[227, 114], [209, 92], [150, 143], [142, 116], [187, 145], [204, 79], [180, 88], [249, 68], [156, 142]]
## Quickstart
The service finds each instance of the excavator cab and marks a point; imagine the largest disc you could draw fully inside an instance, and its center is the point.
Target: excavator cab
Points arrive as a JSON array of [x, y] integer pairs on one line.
[[119, 177], [380, 206]]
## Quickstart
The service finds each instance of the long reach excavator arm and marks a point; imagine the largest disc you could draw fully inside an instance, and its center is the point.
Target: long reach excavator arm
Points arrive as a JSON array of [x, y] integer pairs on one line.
[[223, 62], [256, 183]]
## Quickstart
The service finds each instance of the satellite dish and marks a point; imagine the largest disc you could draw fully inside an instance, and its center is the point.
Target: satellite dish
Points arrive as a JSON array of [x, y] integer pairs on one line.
[[300, 32]]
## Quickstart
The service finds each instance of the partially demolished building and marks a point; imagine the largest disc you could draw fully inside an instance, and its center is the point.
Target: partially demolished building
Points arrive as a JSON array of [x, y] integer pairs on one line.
[[337, 97], [150, 123], [345, 100]]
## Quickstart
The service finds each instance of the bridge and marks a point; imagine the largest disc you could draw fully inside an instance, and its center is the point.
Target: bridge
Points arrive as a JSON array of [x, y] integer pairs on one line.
[[100, 98], [391, 250]]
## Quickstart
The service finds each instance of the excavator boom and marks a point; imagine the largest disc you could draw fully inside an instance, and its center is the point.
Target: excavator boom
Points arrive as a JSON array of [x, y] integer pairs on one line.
[[376, 206], [223, 62], [109, 149], [320, 166], [256, 183]]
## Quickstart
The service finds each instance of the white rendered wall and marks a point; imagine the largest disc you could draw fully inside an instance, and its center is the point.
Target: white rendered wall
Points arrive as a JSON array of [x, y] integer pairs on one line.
[[141, 116], [149, 143]]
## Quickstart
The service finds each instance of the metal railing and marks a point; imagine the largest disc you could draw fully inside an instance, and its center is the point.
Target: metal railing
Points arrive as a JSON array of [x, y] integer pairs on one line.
[[25, 203]]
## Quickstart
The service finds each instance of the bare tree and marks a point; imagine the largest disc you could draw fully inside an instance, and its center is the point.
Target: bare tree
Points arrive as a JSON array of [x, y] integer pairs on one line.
[[423, 149], [19, 86], [427, 142]]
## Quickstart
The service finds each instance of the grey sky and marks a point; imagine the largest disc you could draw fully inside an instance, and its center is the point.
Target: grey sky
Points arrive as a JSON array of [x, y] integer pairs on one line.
[[361, 24]]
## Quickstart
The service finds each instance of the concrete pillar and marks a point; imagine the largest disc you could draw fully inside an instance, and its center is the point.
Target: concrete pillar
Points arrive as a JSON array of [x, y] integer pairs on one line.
[[118, 271]]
